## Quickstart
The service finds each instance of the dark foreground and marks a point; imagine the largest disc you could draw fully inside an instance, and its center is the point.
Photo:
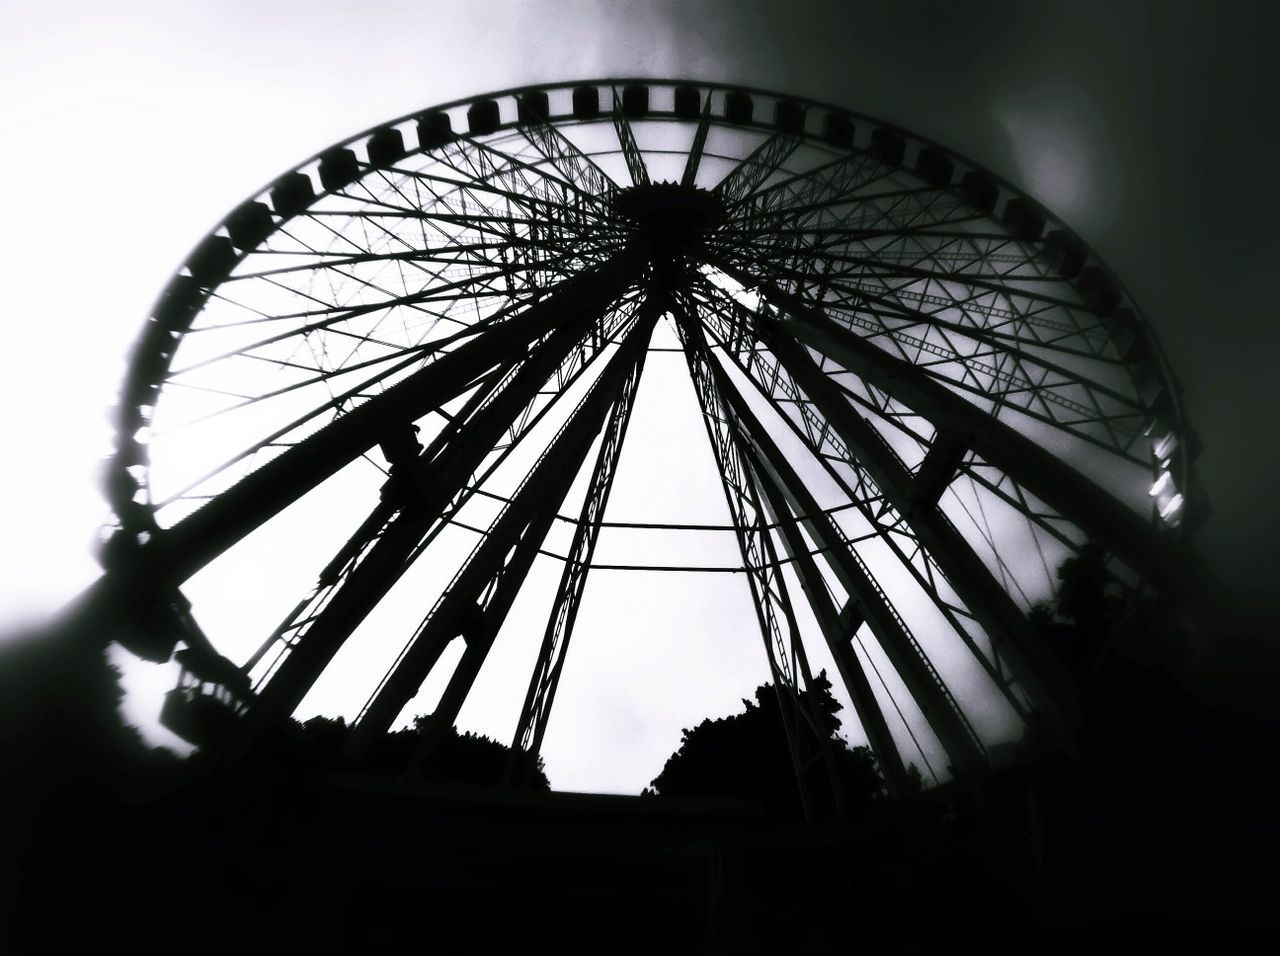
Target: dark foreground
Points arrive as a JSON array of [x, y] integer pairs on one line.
[[1160, 831]]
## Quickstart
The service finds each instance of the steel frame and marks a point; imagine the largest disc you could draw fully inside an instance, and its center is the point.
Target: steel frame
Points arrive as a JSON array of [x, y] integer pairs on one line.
[[893, 303]]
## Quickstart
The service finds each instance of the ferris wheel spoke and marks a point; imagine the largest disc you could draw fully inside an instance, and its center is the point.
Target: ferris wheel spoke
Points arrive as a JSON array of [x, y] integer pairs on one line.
[[798, 239], [333, 315], [576, 167], [415, 350], [458, 253], [1069, 492], [1041, 389], [1007, 258], [199, 537], [978, 319], [828, 183], [481, 200], [475, 603], [536, 194], [485, 162], [765, 160], [816, 433], [903, 208], [535, 713], [957, 259], [986, 319], [324, 376], [910, 212], [627, 142], [487, 222], [334, 404], [475, 252], [793, 503], [883, 270], [478, 190], [784, 649], [494, 409], [696, 148], [478, 286], [1032, 328]]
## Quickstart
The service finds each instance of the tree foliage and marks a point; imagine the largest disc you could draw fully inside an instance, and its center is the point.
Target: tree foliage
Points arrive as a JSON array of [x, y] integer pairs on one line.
[[746, 756], [465, 758]]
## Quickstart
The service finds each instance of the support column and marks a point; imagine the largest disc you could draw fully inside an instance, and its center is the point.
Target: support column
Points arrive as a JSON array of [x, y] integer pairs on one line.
[[939, 707], [838, 630], [1104, 518], [433, 484], [476, 602], [180, 551], [1040, 675], [531, 726]]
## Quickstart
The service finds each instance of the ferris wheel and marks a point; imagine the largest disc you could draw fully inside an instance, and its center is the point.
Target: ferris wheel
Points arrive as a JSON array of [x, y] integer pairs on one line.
[[916, 390]]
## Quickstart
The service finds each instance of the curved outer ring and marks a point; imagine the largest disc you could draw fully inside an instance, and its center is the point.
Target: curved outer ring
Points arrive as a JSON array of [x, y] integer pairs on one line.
[[184, 297]]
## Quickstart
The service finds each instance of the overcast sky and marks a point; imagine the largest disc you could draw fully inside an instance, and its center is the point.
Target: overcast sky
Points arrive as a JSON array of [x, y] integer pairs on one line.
[[130, 128]]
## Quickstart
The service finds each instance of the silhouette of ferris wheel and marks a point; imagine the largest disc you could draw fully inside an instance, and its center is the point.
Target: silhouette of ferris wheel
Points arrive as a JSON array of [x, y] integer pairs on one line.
[[920, 390]]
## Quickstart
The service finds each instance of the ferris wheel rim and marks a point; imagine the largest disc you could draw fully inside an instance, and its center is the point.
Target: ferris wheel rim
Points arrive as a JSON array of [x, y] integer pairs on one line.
[[155, 343], [164, 335]]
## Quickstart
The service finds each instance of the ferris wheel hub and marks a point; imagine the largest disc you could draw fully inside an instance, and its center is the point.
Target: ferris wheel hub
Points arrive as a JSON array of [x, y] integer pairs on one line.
[[668, 214]]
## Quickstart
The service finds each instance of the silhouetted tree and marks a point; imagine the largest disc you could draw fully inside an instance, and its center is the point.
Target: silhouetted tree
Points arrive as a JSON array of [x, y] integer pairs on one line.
[[1079, 620], [746, 755], [459, 758]]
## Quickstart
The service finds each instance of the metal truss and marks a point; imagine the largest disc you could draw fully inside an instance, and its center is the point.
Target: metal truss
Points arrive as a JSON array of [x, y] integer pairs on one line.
[[476, 602], [536, 710], [788, 663], [627, 140], [919, 533], [790, 497], [766, 160], [436, 487]]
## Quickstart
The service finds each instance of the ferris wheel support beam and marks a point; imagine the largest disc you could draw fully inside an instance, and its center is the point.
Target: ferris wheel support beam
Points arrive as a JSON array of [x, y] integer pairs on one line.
[[745, 178], [789, 493], [375, 523], [430, 487], [567, 597], [838, 630], [183, 549], [1030, 660], [1108, 521], [579, 170], [774, 612], [763, 369], [476, 603], [526, 743], [415, 501], [411, 483], [627, 140], [699, 143]]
